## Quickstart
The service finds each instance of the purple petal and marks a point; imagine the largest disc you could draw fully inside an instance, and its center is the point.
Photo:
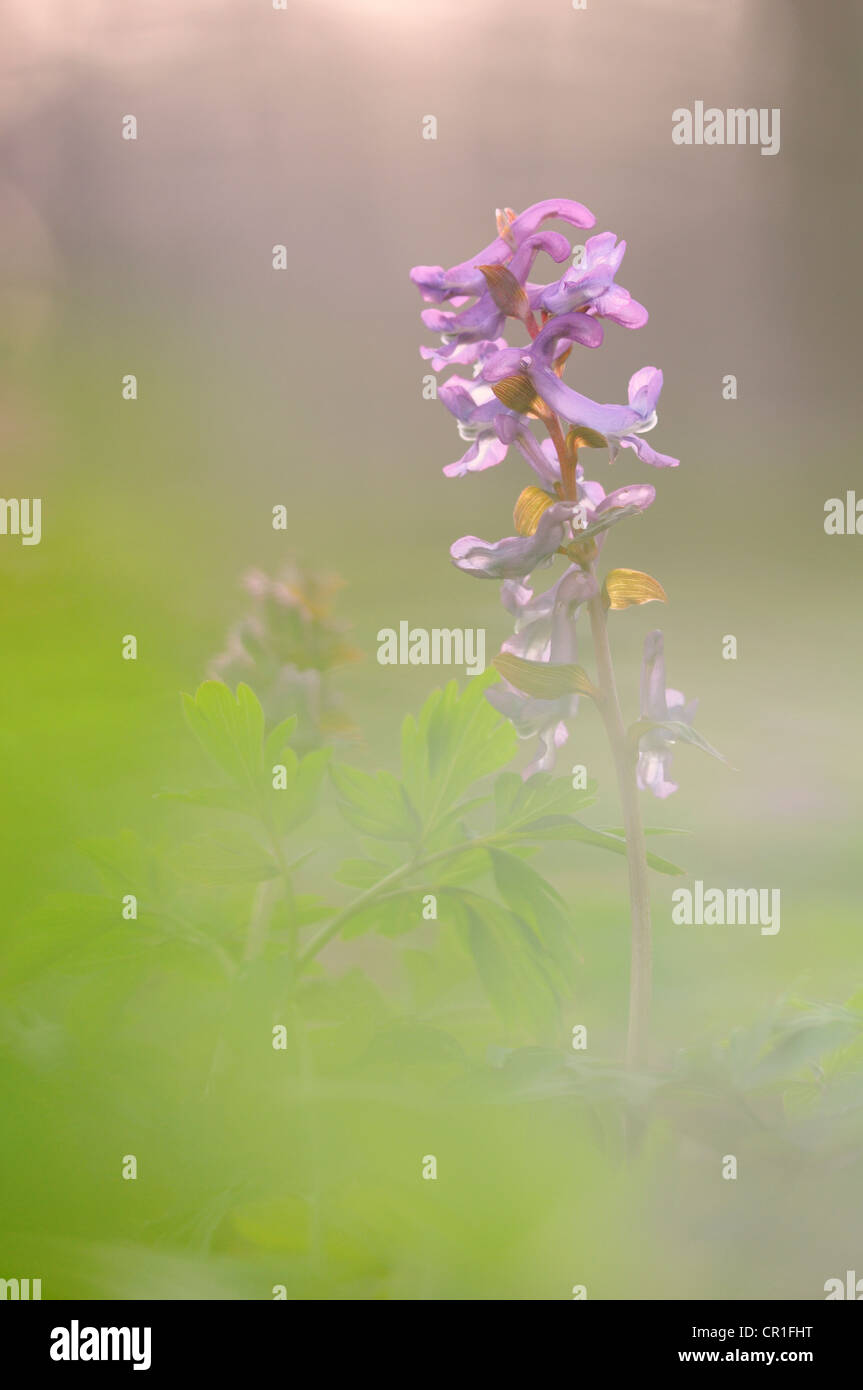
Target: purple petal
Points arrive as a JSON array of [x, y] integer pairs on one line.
[[515, 556], [554, 244], [564, 208], [550, 740], [437, 284], [646, 452], [639, 495], [506, 363], [486, 452], [651, 773], [645, 387], [576, 328], [653, 704], [617, 304], [483, 320], [515, 596], [581, 410], [461, 354], [457, 396], [543, 461]]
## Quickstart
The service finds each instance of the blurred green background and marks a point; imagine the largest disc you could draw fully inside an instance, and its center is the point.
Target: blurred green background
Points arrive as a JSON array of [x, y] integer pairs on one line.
[[304, 388]]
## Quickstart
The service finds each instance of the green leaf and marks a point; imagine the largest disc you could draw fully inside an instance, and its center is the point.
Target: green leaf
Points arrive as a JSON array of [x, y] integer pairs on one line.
[[62, 934], [375, 804], [518, 976], [280, 1225], [250, 723], [537, 903], [226, 798], [648, 830], [435, 975], [361, 873], [228, 858], [464, 867], [544, 680], [302, 911], [390, 914], [278, 739], [293, 804], [125, 864], [414, 1045], [602, 839], [801, 1041], [528, 808], [229, 728], [484, 936], [457, 739]]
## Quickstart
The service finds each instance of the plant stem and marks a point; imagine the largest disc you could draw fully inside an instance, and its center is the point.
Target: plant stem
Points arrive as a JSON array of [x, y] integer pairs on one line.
[[369, 894], [259, 921], [636, 849], [624, 762]]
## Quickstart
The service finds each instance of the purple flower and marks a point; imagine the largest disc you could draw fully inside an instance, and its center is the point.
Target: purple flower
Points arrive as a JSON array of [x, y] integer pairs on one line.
[[538, 617], [477, 411], [488, 427], [543, 460], [545, 631], [590, 286], [621, 425], [517, 556], [598, 510], [658, 703], [462, 354], [485, 318], [644, 389], [603, 510], [437, 284], [537, 357], [535, 360]]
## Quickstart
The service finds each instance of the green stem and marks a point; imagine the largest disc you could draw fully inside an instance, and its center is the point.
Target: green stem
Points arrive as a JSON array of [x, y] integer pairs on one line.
[[259, 921], [265, 900], [636, 849], [403, 871]]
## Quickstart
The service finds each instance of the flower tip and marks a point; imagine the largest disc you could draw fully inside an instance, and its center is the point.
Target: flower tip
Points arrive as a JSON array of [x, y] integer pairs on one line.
[[504, 217]]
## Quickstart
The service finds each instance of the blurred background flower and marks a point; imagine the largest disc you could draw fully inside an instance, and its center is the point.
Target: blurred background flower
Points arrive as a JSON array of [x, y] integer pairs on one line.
[[286, 646]]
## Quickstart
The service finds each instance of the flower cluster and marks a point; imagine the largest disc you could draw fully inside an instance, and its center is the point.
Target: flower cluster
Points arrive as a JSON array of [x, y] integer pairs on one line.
[[496, 408], [289, 642]]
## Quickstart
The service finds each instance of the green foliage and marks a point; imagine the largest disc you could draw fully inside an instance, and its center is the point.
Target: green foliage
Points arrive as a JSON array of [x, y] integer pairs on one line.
[[453, 828], [233, 857], [457, 739], [376, 805], [450, 835], [501, 911], [461, 1019], [230, 728]]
